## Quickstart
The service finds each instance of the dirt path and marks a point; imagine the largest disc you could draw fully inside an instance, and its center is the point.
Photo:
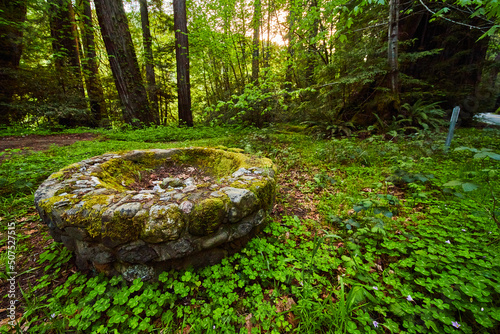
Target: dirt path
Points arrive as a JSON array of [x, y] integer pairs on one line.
[[40, 143]]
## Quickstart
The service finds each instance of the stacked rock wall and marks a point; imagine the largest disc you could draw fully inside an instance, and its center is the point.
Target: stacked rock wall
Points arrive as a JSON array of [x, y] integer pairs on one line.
[[139, 233]]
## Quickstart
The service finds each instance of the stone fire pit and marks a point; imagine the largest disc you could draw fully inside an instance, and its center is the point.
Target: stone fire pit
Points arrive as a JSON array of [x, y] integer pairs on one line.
[[137, 213]]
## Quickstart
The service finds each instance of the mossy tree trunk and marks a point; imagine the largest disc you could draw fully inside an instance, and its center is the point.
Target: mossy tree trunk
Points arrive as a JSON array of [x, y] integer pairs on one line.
[[392, 48], [65, 46], [256, 40], [311, 43], [13, 15], [123, 61], [91, 70], [148, 55], [182, 59], [292, 18]]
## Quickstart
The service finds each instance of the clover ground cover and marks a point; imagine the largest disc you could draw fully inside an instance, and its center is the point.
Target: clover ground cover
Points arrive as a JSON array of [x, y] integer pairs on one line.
[[388, 240]]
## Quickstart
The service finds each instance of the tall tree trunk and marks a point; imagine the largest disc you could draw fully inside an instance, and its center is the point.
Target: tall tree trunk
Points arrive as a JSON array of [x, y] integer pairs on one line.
[[392, 49], [256, 40], [12, 14], [148, 52], [65, 44], [123, 61], [91, 70], [240, 81], [290, 48], [493, 85], [311, 49], [182, 59], [267, 54], [66, 50]]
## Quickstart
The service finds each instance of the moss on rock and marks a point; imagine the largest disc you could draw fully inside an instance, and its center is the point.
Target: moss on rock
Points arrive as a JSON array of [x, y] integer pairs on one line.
[[163, 223], [121, 228], [117, 174], [207, 216], [65, 172], [218, 162], [265, 191], [89, 215]]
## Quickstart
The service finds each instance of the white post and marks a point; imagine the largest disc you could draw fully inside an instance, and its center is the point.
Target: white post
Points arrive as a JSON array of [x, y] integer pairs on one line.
[[453, 121]]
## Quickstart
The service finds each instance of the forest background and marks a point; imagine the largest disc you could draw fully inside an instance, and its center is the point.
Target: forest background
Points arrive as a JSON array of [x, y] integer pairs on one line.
[[339, 66]]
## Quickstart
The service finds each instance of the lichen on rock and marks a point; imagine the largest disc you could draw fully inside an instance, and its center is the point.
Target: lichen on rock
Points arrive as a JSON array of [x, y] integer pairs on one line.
[[207, 216], [164, 223]]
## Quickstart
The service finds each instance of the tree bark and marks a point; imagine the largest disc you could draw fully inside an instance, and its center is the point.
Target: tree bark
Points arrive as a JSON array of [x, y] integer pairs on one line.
[[290, 48], [123, 61], [148, 52], [267, 53], [91, 70], [392, 49], [226, 61], [256, 40], [311, 49], [65, 44], [12, 14], [455, 71], [182, 59]]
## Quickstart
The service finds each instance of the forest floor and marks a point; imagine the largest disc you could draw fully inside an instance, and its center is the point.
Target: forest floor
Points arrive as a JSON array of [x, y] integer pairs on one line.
[[362, 216], [42, 142]]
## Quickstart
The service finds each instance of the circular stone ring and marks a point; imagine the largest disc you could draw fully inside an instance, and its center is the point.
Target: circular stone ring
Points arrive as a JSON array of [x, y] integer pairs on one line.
[[99, 210]]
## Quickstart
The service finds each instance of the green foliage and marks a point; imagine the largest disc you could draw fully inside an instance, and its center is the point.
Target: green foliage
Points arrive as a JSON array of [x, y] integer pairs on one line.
[[326, 64], [483, 153], [256, 105], [331, 129], [421, 116]]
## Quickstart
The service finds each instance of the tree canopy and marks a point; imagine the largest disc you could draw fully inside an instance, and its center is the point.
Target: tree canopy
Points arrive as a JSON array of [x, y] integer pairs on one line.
[[337, 65]]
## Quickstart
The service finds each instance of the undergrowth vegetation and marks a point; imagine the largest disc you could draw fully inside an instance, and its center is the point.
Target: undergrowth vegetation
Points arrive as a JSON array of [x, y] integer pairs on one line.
[[398, 237]]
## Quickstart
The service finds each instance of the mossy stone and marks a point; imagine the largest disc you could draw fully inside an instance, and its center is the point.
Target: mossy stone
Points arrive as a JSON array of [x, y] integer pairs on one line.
[[207, 216], [122, 227], [164, 223]]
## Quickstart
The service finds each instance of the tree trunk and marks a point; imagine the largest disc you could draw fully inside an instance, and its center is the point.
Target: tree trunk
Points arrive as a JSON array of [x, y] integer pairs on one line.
[[123, 61], [392, 49], [65, 44], [66, 51], [148, 52], [182, 59], [256, 40], [455, 71], [267, 54], [226, 61], [311, 49], [12, 14], [493, 85], [290, 48], [91, 71]]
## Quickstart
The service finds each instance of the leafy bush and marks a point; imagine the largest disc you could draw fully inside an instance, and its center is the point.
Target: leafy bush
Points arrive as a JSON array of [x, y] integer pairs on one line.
[[421, 116]]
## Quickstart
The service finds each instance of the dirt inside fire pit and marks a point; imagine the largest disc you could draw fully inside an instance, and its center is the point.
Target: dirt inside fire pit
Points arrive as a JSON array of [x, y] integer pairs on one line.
[[147, 179]]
